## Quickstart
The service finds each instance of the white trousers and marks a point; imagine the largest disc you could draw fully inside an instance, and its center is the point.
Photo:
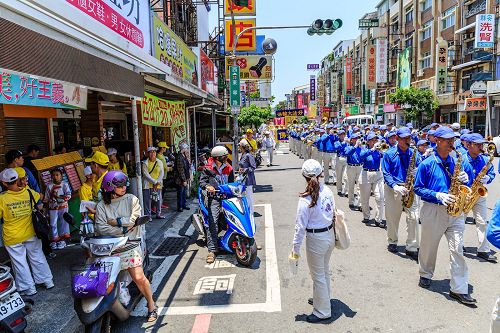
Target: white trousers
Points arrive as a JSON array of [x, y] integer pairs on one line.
[[372, 181], [56, 217], [291, 143], [353, 178], [328, 159], [435, 223], [495, 318], [303, 149], [314, 153], [20, 254], [319, 248], [249, 196], [479, 212], [270, 154], [340, 170], [393, 210]]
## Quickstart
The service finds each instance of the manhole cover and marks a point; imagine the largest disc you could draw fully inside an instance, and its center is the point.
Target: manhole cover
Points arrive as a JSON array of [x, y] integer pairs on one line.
[[171, 246]]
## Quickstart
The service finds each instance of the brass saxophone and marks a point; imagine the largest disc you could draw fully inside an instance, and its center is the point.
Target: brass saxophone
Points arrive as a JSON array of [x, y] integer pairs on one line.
[[410, 179], [477, 189], [457, 189]]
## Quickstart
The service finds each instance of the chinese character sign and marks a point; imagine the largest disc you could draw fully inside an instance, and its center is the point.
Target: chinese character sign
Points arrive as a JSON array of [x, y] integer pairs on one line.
[[252, 67], [207, 74], [348, 76], [485, 31], [381, 60], [371, 68], [239, 10], [290, 113], [475, 104], [247, 41], [172, 51], [282, 135], [21, 89], [312, 88], [441, 67]]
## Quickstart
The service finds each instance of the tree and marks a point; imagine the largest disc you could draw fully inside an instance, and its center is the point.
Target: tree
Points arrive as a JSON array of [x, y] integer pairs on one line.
[[281, 105], [417, 103], [254, 115]]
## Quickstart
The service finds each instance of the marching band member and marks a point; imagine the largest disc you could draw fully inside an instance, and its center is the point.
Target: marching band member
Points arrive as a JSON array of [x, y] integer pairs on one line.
[[327, 141], [352, 152], [291, 136], [390, 127], [341, 163], [430, 137], [432, 183], [479, 211], [383, 131], [434, 126], [391, 138], [315, 155], [396, 162], [372, 180], [303, 136], [423, 149]]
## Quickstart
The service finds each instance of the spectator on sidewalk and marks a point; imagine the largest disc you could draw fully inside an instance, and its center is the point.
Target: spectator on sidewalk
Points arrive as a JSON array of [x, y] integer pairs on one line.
[[162, 148], [14, 158], [32, 153], [152, 176], [269, 144], [248, 165], [19, 237], [182, 176], [98, 163], [60, 149], [115, 161], [85, 194], [251, 141]]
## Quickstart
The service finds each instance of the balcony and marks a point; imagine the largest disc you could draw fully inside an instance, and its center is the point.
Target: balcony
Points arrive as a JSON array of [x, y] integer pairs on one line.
[[475, 8]]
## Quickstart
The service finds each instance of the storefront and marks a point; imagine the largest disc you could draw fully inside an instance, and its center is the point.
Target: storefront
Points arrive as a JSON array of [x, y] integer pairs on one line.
[[492, 119]]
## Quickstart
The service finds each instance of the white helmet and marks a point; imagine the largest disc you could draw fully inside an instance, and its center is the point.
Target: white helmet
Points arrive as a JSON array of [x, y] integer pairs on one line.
[[244, 143], [219, 151]]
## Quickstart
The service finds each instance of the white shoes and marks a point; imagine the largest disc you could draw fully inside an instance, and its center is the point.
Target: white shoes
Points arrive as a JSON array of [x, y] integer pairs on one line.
[[61, 245], [28, 292], [49, 284], [53, 245]]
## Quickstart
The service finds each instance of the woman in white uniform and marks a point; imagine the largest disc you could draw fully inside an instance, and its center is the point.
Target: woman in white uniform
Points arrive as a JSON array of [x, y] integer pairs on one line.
[[315, 214]]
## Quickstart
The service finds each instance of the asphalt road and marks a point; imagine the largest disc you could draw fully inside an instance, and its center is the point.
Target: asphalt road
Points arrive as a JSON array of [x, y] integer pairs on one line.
[[372, 290]]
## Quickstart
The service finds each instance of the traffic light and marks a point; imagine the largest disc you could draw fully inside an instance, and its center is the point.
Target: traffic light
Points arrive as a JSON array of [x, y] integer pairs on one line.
[[327, 26], [241, 3]]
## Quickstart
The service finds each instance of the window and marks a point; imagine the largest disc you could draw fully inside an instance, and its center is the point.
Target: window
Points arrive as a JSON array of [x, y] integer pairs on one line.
[[409, 15], [409, 40], [426, 4], [448, 18], [426, 30], [426, 60]]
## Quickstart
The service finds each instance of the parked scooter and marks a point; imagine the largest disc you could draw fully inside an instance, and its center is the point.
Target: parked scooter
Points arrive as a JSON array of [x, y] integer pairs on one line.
[[100, 287], [13, 308], [236, 221]]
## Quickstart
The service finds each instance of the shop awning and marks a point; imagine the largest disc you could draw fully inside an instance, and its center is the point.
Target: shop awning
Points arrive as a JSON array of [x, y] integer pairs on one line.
[[467, 27], [467, 64]]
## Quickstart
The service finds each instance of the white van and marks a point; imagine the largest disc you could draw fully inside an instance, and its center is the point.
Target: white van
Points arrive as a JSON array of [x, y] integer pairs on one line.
[[359, 120]]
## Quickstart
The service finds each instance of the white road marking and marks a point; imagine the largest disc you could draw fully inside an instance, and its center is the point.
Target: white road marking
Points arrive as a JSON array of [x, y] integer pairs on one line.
[[211, 284], [225, 261]]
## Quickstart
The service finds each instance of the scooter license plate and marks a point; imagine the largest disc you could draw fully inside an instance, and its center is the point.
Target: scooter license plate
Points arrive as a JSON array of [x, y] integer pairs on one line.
[[10, 305]]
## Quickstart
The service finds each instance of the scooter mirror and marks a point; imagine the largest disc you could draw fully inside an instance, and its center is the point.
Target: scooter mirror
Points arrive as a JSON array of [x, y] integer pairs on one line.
[[68, 218], [142, 220]]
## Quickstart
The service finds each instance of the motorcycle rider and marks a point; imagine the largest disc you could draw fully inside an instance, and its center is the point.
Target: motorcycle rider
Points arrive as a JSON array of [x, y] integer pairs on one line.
[[216, 172]]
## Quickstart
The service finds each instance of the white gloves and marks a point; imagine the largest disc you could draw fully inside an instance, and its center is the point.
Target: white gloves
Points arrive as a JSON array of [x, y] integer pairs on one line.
[[428, 152], [445, 198], [358, 143], [401, 190], [485, 179], [463, 177], [376, 146]]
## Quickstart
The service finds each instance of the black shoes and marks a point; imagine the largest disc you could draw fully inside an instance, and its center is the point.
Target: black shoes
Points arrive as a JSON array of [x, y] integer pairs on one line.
[[424, 282], [366, 221], [487, 256], [412, 254], [313, 319], [463, 298], [380, 224], [179, 210], [355, 208], [310, 301], [393, 248]]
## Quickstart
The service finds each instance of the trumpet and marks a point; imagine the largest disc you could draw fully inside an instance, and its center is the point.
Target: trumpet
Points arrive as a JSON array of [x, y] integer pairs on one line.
[[383, 147], [489, 148]]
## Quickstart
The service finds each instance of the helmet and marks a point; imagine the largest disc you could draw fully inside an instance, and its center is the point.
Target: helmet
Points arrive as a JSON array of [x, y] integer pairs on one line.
[[244, 143], [114, 179], [219, 151], [311, 168]]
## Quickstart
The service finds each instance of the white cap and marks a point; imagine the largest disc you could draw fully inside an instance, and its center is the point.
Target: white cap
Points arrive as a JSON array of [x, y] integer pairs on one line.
[[112, 151], [87, 171], [152, 149], [311, 168], [455, 126], [9, 175]]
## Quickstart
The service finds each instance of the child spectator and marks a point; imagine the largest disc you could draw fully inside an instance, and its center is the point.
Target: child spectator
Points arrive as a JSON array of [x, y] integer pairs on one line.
[[86, 195], [57, 196]]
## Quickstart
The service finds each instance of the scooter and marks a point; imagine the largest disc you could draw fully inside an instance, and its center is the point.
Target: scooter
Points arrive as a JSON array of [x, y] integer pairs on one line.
[[13, 308], [96, 312], [236, 221]]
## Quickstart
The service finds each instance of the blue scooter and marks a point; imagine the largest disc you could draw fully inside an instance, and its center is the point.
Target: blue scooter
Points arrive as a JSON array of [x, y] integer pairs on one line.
[[236, 221]]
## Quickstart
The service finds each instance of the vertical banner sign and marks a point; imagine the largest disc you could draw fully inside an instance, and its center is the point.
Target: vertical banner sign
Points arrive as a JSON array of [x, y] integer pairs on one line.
[[334, 79], [441, 67], [404, 69], [348, 76], [300, 101], [235, 98], [381, 60], [371, 81], [485, 31], [247, 41], [243, 98], [312, 88], [250, 10]]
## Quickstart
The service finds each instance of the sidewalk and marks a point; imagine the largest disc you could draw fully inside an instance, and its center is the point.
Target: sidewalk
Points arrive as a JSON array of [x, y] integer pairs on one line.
[[53, 310]]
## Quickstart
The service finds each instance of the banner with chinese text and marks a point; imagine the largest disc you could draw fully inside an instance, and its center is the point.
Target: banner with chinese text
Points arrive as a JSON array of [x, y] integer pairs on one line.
[[485, 31], [290, 113], [371, 67], [382, 60], [441, 66], [208, 80], [239, 10], [475, 104], [312, 87], [404, 69], [252, 67], [247, 41], [348, 76]]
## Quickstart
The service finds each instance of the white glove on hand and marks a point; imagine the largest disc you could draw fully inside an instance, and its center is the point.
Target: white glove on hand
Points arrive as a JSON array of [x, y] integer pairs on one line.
[[401, 190], [463, 177], [485, 179], [358, 143], [376, 146], [445, 198], [428, 152]]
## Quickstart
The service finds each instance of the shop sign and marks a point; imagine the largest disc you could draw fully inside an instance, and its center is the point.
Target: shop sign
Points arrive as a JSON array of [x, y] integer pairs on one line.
[[249, 10], [265, 90], [23, 89], [246, 42], [390, 108], [463, 96], [290, 113], [441, 66], [163, 113], [485, 34], [365, 24], [171, 50], [334, 82], [380, 109], [371, 68], [300, 101], [366, 96], [252, 67], [354, 110], [348, 76], [312, 67], [473, 104], [463, 119], [382, 60], [493, 87], [208, 80], [478, 89], [312, 87]]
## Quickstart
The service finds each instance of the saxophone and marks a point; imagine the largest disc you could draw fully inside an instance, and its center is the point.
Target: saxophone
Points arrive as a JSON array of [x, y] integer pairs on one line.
[[457, 189], [477, 189], [410, 179]]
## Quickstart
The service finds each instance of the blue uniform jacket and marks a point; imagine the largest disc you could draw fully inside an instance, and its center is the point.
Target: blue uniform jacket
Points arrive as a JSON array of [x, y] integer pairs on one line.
[[478, 163], [353, 154], [395, 165], [371, 159], [339, 148], [329, 143]]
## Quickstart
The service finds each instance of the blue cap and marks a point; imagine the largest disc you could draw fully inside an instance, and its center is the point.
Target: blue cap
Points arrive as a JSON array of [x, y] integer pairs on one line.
[[465, 137], [341, 132], [355, 136], [422, 142], [403, 132], [356, 128], [389, 124], [389, 134], [329, 126], [322, 130], [383, 128], [465, 131], [409, 125], [317, 129], [431, 132], [476, 138], [444, 132], [434, 124], [370, 136], [375, 126]]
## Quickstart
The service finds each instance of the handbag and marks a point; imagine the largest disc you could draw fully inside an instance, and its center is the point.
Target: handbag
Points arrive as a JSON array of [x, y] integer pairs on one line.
[[342, 237], [91, 283], [40, 222]]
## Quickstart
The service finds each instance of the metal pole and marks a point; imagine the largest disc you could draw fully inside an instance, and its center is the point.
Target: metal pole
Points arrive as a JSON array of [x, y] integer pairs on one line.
[[195, 132], [137, 152], [214, 129]]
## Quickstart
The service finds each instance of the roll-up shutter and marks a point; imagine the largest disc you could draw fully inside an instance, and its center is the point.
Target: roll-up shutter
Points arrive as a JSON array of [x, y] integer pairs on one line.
[[22, 132]]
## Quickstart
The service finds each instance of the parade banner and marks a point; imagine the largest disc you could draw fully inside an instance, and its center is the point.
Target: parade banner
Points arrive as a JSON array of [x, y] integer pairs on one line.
[[252, 67], [23, 89], [441, 66], [247, 41], [171, 50], [240, 10], [208, 80], [371, 68], [163, 113], [485, 31], [290, 113], [404, 69], [282, 134], [382, 60]]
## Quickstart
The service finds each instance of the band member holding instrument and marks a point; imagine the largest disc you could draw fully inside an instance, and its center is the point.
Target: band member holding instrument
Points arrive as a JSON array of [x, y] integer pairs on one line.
[[395, 168], [341, 163], [372, 180], [486, 173], [423, 149], [327, 144], [391, 138], [437, 177], [352, 152]]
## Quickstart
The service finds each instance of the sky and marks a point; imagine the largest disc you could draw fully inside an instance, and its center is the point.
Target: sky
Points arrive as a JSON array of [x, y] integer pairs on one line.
[[296, 48]]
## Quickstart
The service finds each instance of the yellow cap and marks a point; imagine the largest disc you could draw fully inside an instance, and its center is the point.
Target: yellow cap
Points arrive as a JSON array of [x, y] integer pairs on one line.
[[249, 131], [99, 158], [21, 172], [162, 144]]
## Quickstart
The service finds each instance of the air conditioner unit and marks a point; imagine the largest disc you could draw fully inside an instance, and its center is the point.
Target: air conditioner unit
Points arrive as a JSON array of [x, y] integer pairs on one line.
[[465, 36], [420, 72]]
